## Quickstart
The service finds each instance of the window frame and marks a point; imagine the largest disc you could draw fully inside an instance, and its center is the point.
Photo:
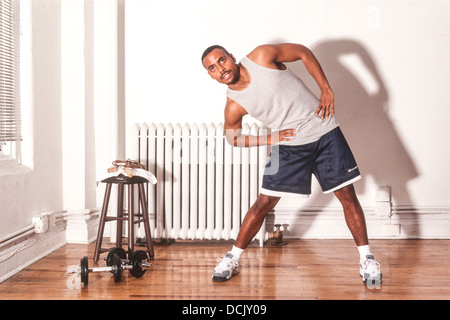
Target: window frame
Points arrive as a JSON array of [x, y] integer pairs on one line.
[[10, 102]]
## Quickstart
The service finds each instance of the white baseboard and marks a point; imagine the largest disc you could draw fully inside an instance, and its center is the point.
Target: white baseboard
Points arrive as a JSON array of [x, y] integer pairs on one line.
[[329, 223], [80, 230], [18, 255], [24, 249]]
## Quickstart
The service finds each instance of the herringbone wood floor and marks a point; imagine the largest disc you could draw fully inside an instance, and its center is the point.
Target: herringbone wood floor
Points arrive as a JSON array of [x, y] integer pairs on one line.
[[302, 269]]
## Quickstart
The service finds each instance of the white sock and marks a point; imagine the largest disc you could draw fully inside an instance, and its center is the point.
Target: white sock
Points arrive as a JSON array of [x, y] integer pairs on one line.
[[363, 252], [237, 252]]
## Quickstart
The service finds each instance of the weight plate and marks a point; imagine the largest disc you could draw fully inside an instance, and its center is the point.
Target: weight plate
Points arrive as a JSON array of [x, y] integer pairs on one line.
[[136, 259], [118, 250], [117, 267], [84, 265]]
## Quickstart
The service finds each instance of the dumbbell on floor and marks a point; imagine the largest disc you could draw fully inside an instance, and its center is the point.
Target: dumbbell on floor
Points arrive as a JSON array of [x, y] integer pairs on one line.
[[116, 262], [134, 264]]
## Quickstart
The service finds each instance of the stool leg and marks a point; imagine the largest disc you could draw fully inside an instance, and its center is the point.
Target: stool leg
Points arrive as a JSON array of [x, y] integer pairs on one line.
[[130, 219], [119, 229], [148, 234], [101, 226]]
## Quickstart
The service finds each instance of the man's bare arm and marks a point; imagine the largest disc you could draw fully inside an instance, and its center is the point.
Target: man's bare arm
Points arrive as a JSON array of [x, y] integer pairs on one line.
[[272, 56], [233, 129]]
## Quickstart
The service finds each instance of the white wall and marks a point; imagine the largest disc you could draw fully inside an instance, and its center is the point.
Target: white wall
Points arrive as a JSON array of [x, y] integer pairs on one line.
[[386, 62], [69, 108], [35, 186]]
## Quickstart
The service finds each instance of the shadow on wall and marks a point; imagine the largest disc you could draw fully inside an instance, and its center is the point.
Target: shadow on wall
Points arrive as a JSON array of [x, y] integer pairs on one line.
[[362, 112]]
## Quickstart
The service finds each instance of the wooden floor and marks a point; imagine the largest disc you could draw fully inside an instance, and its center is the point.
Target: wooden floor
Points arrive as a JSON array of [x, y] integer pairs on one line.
[[302, 269]]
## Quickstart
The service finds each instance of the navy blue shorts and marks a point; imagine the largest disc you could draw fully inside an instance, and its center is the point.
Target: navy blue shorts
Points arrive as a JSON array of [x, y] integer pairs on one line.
[[290, 168]]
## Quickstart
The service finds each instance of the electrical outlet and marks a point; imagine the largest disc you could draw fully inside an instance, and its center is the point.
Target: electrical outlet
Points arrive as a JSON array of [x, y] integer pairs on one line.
[[40, 223]]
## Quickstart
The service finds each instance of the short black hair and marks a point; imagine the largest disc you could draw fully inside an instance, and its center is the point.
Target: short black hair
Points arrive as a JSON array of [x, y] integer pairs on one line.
[[211, 48]]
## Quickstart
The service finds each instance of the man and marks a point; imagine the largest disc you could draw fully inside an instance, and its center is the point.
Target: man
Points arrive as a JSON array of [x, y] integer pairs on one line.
[[307, 138]]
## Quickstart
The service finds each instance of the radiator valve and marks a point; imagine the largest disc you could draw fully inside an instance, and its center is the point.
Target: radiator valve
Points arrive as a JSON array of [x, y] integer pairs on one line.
[[276, 237]]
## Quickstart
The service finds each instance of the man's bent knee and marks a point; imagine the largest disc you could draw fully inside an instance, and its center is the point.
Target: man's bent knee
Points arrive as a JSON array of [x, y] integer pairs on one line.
[[346, 193], [265, 202]]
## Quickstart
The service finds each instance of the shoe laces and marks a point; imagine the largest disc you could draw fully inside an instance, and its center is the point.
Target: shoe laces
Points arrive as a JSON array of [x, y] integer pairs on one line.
[[371, 265], [227, 262]]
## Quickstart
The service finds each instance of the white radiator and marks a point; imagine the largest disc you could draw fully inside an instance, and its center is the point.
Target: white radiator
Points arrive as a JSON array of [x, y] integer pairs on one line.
[[205, 186]]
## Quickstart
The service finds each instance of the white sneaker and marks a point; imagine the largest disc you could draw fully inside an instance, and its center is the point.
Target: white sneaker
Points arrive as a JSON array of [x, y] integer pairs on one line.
[[227, 267], [370, 271]]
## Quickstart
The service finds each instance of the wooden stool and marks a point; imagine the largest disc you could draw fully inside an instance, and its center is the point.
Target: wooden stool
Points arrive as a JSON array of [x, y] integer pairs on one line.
[[121, 181]]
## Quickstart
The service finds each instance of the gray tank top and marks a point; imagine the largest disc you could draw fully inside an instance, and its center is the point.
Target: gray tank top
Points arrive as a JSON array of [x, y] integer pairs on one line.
[[280, 100]]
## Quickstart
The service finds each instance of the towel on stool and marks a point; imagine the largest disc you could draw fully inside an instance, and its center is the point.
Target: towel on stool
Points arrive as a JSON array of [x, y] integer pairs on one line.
[[130, 169]]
